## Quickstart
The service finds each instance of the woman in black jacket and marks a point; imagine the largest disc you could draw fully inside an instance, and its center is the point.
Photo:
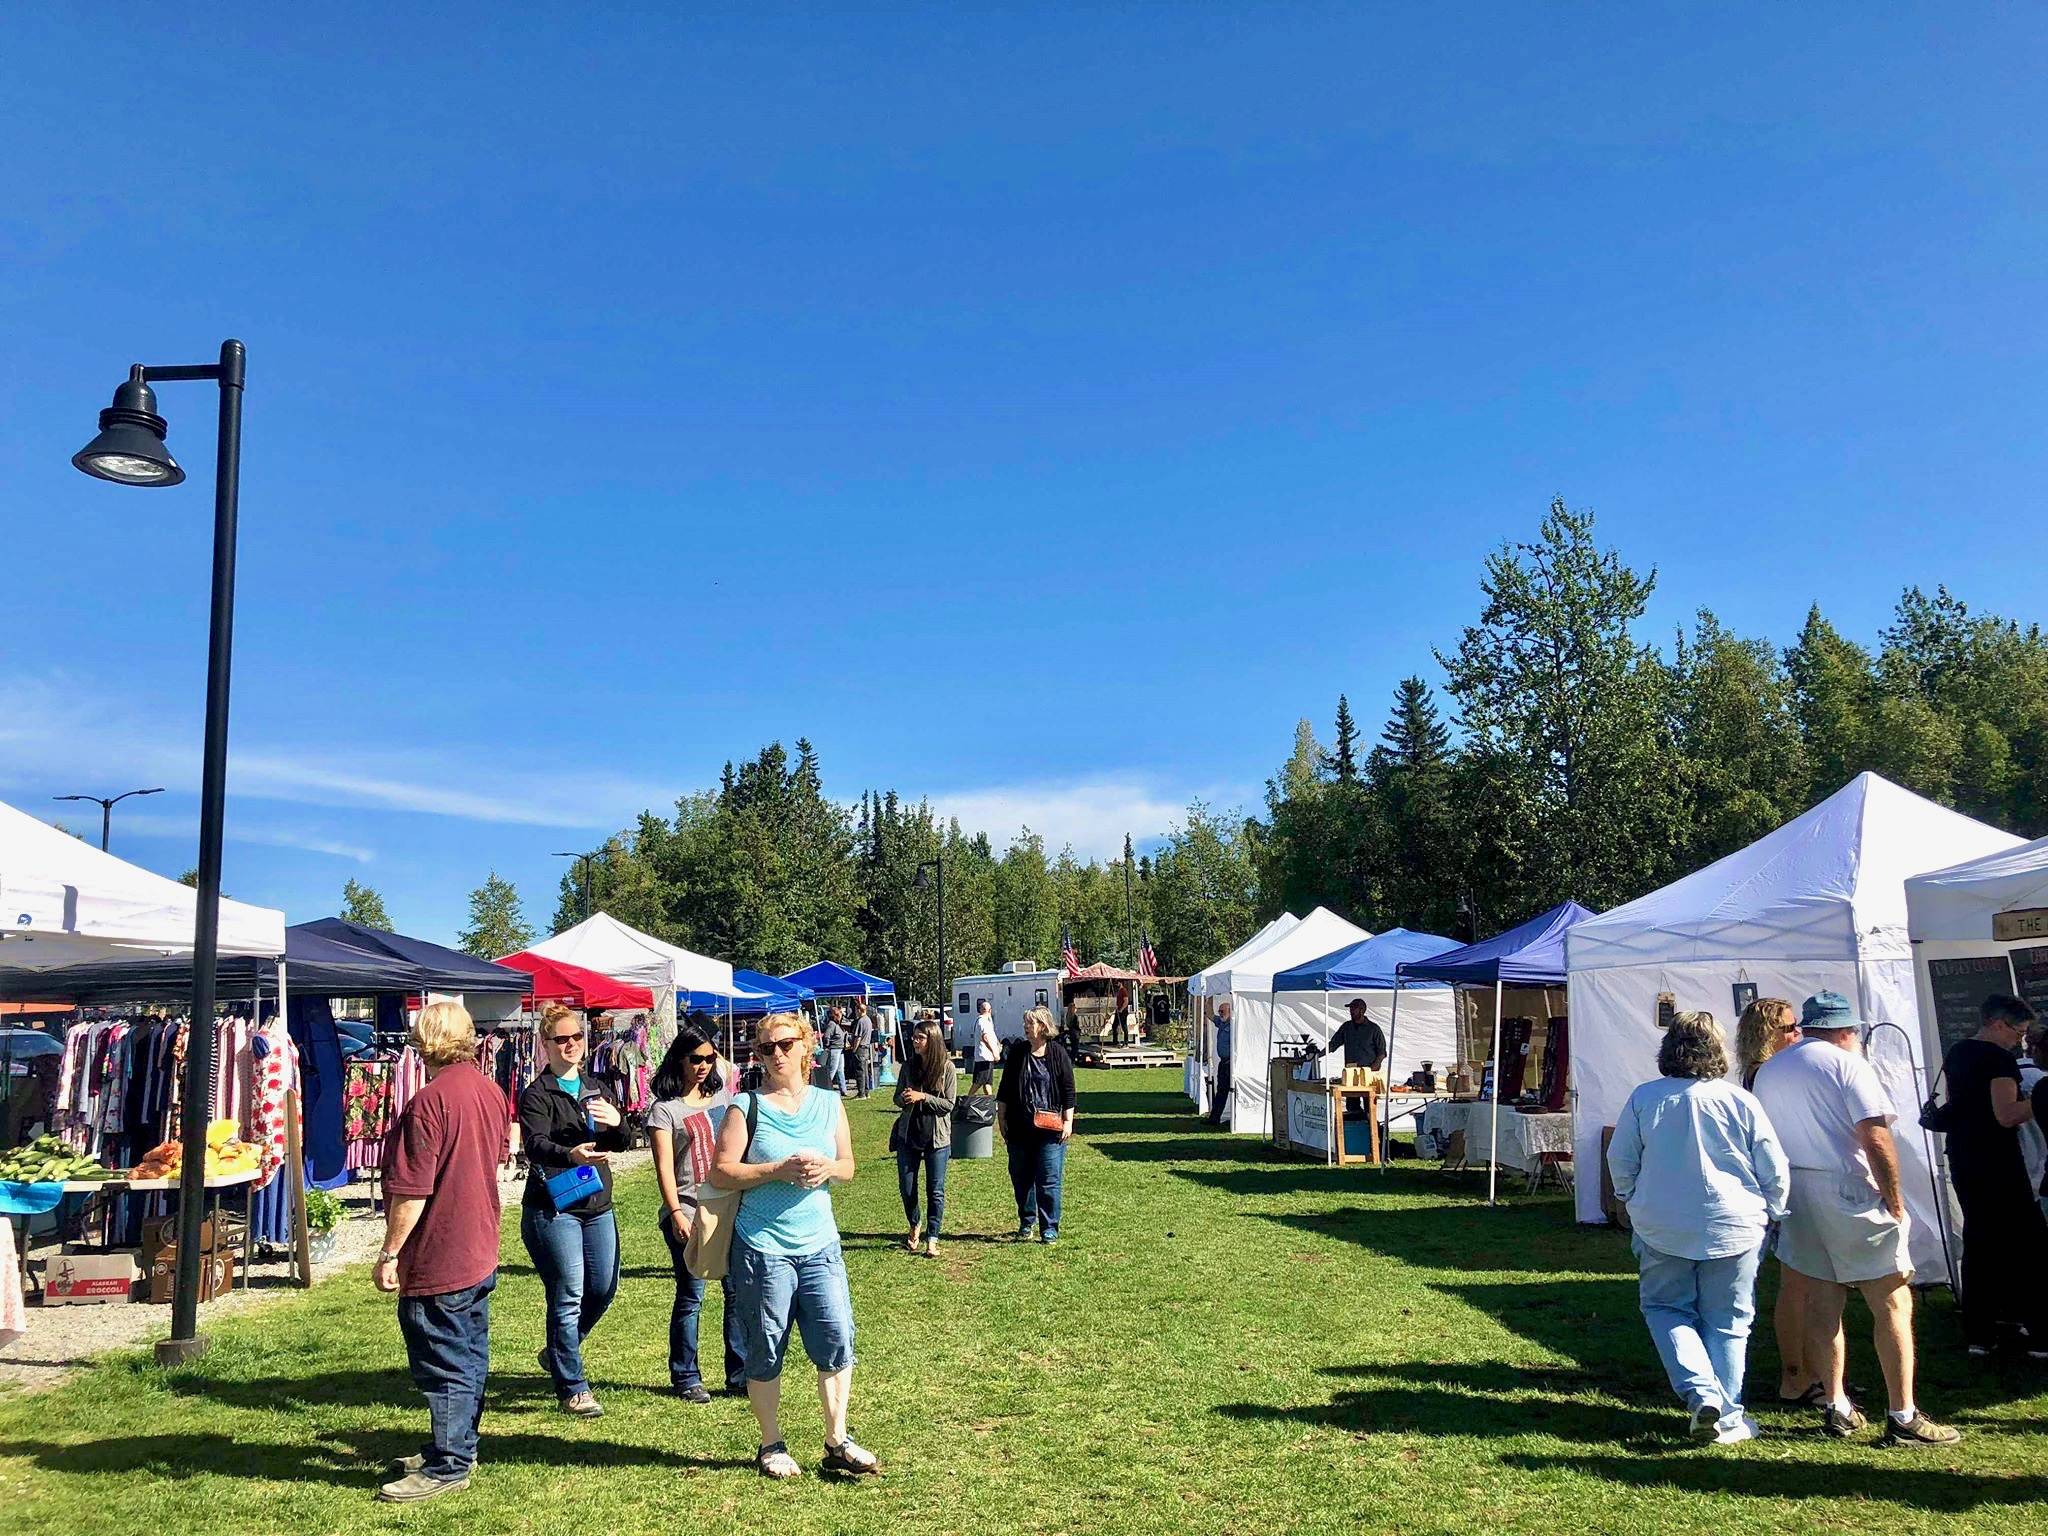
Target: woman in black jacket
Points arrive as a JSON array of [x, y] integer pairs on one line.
[[1035, 1102], [567, 1120]]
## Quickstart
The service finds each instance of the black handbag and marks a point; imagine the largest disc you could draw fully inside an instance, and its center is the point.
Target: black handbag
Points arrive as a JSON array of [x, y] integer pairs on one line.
[[1935, 1115]]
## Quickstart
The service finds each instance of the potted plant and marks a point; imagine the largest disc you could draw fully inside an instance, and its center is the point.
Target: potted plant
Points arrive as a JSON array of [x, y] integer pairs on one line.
[[323, 1214]]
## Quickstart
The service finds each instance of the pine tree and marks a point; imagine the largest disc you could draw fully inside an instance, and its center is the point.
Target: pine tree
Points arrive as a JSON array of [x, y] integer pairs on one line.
[[1344, 761], [496, 925], [360, 904]]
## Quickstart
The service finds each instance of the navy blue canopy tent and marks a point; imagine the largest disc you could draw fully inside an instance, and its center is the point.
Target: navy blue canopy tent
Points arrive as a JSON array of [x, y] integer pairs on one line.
[[828, 978], [1530, 954], [443, 969], [313, 965]]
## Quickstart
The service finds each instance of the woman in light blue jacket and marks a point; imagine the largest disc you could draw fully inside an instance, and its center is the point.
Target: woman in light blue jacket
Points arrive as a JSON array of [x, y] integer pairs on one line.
[[1700, 1168]]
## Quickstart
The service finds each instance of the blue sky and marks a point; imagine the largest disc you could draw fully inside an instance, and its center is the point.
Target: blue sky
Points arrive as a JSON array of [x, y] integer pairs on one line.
[[1040, 407]]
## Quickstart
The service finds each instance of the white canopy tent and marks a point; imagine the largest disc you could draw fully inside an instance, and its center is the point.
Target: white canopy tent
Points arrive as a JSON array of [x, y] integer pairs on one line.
[[1248, 983], [1200, 1068], [64, 902], [1817, 905], [603, 944]]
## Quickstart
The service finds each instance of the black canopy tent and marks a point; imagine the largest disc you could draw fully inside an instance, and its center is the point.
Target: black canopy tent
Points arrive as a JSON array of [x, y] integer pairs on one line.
[[444, 969]]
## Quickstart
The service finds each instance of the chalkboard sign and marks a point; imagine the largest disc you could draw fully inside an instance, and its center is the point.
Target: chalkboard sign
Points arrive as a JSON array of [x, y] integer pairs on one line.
[[2030, 972], [1960, 987]]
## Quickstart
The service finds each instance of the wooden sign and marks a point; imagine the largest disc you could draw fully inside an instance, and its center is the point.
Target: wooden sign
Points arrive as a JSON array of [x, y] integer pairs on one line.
[[1960, 987], [2024, 923]]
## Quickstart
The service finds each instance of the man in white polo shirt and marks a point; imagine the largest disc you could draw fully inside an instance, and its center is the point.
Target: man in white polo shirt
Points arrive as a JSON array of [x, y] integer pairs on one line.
[[1846, 1225]]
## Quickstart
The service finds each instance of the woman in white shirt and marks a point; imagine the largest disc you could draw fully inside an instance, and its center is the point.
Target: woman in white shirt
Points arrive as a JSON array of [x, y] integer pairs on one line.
[[1696, 1160]]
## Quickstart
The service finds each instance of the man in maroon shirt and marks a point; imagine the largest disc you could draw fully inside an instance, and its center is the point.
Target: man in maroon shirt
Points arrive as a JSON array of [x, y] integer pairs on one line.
[[441, 1245]]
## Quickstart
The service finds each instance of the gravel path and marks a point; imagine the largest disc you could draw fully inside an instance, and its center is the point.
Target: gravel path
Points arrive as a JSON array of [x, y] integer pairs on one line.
[[64, 1340]]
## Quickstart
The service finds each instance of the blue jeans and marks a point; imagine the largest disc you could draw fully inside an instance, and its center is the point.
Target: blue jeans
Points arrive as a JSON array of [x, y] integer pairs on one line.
[[578, 1262], [770, 1291], [448, 1347], [1699, 1312], [683, 1370], [933, 1161], [1037, 1165], [835, 1070]]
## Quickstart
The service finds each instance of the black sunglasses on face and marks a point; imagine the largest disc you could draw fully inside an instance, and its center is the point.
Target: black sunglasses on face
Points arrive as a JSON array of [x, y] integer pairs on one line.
[[777, 1047], [706, 1059], [575, 1039]]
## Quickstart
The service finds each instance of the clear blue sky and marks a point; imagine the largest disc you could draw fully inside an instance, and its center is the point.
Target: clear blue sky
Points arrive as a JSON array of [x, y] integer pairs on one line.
[[1040, 408]]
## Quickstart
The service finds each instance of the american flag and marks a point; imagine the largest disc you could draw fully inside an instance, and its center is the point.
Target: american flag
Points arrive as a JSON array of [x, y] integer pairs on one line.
[[1070, 962], [1148, 959]]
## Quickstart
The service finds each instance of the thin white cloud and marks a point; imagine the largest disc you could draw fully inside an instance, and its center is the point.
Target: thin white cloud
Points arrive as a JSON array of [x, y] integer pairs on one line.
[[158, 825], [1091, 815], [50, 731]]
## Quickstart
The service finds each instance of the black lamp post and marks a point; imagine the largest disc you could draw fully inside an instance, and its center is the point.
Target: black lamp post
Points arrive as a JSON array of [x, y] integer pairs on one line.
[[107, 809], [924, 884], [583, 860], [130, 451]]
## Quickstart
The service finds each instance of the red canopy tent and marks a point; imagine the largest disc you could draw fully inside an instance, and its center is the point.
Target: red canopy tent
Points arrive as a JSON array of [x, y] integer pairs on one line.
[[559, 981]]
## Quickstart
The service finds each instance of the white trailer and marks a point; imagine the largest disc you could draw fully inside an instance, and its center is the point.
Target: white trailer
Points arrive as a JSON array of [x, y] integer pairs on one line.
[[1012, 992]]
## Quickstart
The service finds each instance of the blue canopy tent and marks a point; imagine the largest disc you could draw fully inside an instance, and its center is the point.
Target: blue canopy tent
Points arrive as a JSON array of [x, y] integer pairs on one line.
[[828, 978], [1371, 965], [443, 969], [754, 993], [1528, 955]]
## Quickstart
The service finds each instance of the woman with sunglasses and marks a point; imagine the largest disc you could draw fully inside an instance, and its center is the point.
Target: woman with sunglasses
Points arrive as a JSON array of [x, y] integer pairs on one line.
[[691, 1091], [783, 1148], [923, 1133], [568, 1120]]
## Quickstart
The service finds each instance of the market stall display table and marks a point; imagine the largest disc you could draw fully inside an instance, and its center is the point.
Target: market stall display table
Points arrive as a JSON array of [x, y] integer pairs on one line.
[[213, 1187], [1524, 1139], [1312, 1109]]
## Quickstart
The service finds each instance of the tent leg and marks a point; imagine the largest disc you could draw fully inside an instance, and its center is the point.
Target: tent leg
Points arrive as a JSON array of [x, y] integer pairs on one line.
[[1387, 1096], [1493, 1151]]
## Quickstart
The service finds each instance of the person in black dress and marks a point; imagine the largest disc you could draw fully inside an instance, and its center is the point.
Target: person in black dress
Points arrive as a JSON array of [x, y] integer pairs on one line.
[[2005, 1240]]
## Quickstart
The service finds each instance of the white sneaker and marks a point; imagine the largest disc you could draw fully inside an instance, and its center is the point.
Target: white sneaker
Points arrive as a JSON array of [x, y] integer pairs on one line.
[[1704, 1419], [1736, 1430]]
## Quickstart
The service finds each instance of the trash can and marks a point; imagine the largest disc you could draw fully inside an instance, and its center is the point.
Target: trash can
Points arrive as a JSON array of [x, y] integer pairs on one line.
[[974, 1126]]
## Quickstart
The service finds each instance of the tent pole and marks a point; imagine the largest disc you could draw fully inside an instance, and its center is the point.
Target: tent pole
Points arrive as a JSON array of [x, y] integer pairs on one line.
[[1337, 1100], [1493, 1151], [1387, 1094]]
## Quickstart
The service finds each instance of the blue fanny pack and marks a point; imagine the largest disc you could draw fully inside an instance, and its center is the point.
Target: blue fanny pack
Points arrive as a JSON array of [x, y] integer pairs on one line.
[[573, 1184]]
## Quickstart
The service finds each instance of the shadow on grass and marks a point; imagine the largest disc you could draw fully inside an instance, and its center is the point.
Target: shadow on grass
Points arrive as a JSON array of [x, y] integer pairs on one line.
[[1106, 1101], [1487, 1400], [363, 1462], [1164, 1149], [1146, 1125], [1919, 1486]]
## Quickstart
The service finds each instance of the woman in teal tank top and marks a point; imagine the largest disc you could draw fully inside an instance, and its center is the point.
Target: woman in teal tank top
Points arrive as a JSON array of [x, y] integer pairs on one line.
[[786, 1266]]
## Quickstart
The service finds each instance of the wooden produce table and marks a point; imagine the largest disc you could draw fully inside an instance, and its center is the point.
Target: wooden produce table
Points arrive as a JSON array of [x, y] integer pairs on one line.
[[125, 1186]]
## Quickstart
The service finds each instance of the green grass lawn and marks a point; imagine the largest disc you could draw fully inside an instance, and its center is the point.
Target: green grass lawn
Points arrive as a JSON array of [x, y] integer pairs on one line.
[[1223, 1341]]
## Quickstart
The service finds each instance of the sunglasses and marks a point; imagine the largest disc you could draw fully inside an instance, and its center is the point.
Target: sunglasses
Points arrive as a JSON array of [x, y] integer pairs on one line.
[[706, 1059], [575, 1039], [777, 1047]]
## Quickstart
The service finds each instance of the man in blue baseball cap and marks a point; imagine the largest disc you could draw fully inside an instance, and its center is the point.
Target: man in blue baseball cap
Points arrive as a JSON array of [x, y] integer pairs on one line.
[[1846, 1225]]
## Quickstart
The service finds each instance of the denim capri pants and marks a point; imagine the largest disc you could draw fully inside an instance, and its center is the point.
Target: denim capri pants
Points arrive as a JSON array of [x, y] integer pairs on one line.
[[772, 1290]]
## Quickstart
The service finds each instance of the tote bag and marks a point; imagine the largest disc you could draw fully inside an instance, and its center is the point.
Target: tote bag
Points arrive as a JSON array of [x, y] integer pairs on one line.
[[708, 1250]]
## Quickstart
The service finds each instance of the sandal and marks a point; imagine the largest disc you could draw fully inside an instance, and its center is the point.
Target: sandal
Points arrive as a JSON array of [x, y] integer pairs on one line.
[[910, 1242], [774, 1461], [1815, 1396], [931, 1249], [847, 1459]]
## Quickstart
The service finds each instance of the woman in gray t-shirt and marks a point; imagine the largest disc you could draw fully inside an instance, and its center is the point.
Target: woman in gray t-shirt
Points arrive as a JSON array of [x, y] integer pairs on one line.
[[692, 1090]]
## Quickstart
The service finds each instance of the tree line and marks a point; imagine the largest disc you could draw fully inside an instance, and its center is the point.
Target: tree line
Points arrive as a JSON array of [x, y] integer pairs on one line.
[[1570, 755]]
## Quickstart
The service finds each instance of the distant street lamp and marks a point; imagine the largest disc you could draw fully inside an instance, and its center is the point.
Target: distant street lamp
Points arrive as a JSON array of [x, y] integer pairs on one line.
[[130, 451], [107, 809], [584, 860], [925, 884]]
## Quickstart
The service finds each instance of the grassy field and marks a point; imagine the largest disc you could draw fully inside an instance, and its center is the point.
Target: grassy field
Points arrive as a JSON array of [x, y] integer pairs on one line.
[[1223, 1341]]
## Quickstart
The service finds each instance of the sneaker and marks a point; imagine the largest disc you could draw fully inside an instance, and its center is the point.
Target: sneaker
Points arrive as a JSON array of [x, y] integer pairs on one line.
[[584, 1405], [693, 1393], [404, 1464], [1023, 1234], [1048, 1238], [1704, 1418], [417, 1486], [1736, 1430], [1920, 1430], [1843, 1425]]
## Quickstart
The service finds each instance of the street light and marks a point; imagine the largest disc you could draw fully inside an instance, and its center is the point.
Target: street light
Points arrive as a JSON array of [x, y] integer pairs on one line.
[[107, 809], [130, 451], [584, 859], [924, 884]]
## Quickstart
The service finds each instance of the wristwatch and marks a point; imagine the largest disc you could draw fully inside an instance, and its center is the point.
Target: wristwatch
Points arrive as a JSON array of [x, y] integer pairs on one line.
[[387, 1257]]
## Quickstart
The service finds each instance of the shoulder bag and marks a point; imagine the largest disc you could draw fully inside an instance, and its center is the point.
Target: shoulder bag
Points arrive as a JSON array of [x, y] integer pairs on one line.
[[709, 1248]]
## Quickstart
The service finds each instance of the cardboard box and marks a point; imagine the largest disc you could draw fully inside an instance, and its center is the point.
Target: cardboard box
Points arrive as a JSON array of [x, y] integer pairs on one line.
[[76, 1279], [216, 1275], [161, 1232]]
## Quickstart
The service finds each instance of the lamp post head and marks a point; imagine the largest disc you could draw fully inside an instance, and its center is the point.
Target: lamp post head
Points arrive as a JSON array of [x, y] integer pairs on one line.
[[130, 448]]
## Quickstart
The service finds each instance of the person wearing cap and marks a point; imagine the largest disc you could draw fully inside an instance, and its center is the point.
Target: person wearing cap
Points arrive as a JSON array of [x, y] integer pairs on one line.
[[1846, 1223], [1361, 1039]]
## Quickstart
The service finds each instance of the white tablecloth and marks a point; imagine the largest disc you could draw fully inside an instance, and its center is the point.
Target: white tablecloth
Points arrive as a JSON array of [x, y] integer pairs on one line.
[[1522, 1136]]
